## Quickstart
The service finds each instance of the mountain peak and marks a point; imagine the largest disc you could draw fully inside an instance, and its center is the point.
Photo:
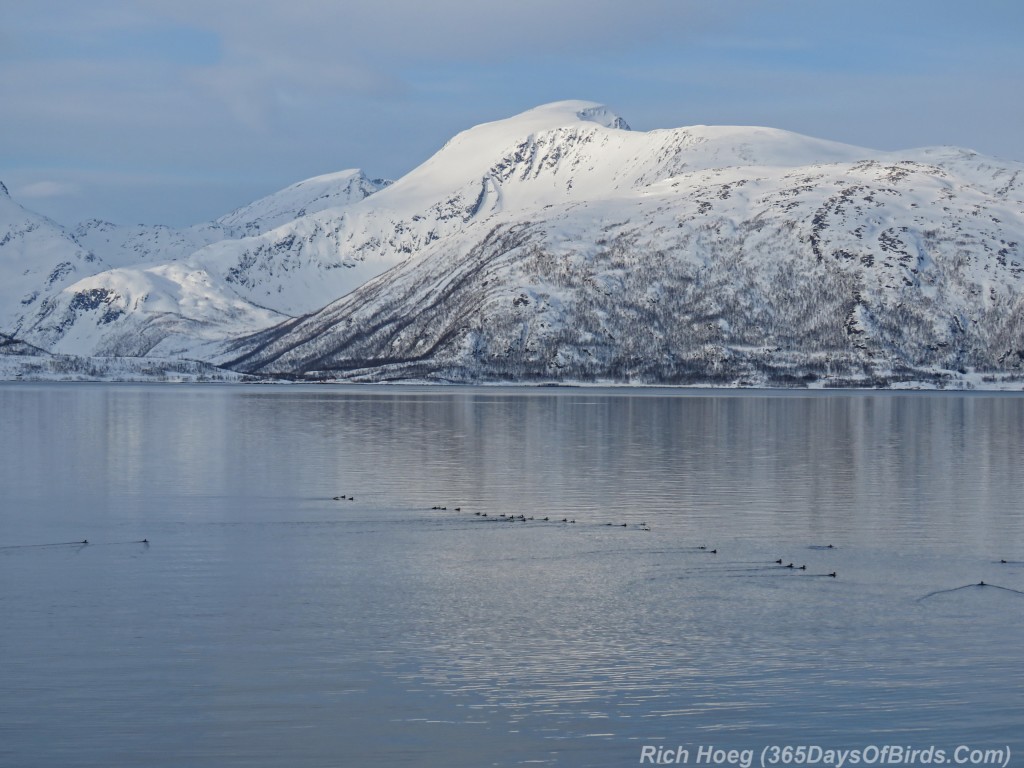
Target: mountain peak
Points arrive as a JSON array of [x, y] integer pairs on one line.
[[603, 116], [558, 114], [470, 153], [312, 195]]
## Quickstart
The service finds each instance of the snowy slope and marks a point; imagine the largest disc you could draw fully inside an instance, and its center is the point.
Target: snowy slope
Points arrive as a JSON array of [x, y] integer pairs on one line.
[[155, 300], [163, 310], [38, 258], [302, 265], [320, 193], [127, 245]]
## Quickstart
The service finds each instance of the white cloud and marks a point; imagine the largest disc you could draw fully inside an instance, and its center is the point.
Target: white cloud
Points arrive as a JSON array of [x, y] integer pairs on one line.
[[450, 30], [48, 188]]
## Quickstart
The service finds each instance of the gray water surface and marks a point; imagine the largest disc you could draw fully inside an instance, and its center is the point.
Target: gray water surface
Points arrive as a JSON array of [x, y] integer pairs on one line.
[[267, 624]]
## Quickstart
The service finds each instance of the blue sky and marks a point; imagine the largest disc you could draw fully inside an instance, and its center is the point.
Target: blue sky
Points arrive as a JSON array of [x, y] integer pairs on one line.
[[177, 111]]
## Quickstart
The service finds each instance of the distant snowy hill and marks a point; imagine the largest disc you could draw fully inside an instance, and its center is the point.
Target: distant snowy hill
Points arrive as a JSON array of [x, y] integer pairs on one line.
[[129, 245], [558, 245], [320, 193], [157, 301], [38, 259]]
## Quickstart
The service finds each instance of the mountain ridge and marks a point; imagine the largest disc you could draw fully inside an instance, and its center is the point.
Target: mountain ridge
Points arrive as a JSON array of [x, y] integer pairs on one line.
[[560, 246]]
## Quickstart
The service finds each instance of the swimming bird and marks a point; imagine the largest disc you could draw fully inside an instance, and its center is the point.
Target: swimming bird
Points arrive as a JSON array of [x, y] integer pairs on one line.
[[779, 561]]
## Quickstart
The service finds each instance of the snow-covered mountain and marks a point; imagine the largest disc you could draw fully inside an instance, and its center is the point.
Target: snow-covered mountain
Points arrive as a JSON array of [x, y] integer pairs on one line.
[[701, 255], [864, 272], [320, 193], [129, 245], [558, 245], [304, 264], [38, 259], [151, 298]]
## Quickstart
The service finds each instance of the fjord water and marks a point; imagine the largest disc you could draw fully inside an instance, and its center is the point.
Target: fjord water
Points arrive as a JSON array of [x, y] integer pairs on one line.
[[267, 624]]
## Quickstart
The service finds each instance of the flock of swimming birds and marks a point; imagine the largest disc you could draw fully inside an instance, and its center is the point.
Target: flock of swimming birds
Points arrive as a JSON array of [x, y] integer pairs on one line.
[[523, 518], [503, 517], [641, 526]]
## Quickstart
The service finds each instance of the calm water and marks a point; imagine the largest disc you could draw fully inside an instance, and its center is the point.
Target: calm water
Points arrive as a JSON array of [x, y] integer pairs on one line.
[[266, 624]]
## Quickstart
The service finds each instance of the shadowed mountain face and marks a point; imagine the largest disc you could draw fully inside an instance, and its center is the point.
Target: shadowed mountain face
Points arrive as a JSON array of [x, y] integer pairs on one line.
[[558, 245]]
